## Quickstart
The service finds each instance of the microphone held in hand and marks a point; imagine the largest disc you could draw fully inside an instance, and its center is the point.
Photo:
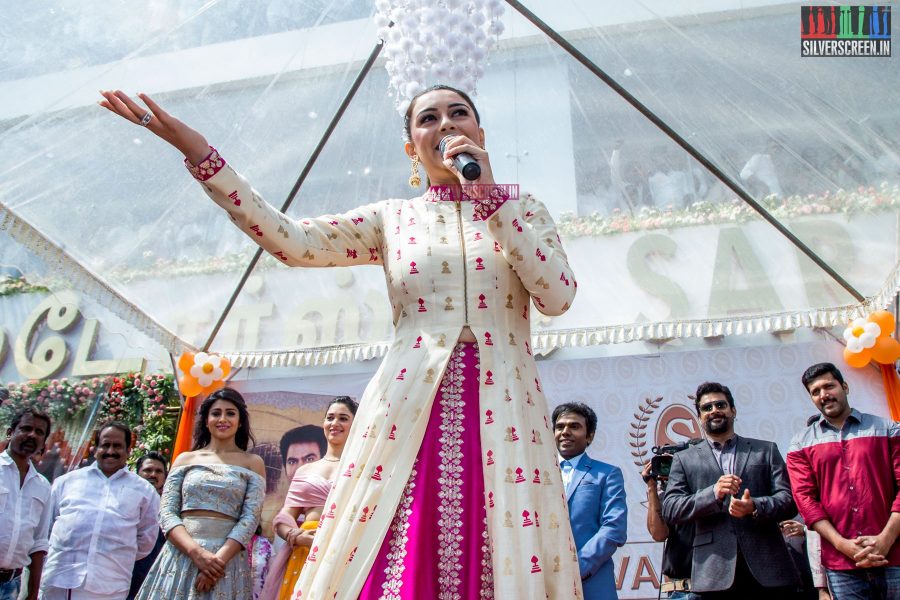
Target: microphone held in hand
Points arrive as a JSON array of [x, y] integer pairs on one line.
[[463, 161]]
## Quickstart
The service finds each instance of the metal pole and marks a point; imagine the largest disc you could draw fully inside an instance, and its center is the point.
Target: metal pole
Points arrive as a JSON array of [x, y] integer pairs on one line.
[[300, 179]]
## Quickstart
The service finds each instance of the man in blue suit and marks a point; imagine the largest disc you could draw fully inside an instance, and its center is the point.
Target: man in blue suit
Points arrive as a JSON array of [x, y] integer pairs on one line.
[[595, 492]]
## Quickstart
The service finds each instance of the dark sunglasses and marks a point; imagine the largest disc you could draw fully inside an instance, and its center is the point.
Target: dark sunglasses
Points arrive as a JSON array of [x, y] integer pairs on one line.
[[710, 406]]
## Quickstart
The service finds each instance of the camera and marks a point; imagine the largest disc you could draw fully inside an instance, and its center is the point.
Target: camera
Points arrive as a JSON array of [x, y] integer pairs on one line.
[[661, 463]]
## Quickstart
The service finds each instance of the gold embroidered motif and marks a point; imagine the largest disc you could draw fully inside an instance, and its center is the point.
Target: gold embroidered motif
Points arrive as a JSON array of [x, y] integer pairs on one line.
[[397, 545], [509, 303], [487, 565], [450, 509]]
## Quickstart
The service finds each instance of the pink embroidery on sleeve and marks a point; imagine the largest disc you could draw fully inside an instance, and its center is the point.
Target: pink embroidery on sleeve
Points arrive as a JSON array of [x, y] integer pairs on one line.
[[209, 166]]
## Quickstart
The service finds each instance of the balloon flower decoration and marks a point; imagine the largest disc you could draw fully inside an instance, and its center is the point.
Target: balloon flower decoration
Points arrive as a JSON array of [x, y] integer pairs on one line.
[[870, 339], [202, 373]]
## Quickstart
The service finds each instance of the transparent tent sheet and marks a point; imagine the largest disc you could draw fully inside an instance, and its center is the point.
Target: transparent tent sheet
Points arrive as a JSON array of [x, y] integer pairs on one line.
[[652, 236]]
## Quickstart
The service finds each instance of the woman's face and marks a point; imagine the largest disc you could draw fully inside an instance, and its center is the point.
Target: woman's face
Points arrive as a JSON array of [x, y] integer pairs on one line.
[[337, 424], [223, 420], [433, 116]]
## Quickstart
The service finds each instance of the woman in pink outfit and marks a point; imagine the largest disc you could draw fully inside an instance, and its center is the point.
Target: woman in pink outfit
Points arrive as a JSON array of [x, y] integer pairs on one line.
[[449, 485], [306, 496]]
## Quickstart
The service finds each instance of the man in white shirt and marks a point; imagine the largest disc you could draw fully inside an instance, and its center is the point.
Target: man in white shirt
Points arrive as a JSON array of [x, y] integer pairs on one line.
[[24, 505], [760, 169], [104, 518]]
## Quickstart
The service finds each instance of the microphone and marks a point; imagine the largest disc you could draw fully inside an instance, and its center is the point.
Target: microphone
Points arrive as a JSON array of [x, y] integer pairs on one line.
[[463, 161]]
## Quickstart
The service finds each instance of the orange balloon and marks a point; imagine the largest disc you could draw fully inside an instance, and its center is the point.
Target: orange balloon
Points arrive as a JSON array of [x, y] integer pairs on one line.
[[225, 365], [189, 386], [858, 359], [885, 320], [185, 362], [886, 350]]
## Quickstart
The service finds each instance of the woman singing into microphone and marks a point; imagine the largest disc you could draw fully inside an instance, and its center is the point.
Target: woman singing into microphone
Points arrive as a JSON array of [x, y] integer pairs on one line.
[[448, 486]]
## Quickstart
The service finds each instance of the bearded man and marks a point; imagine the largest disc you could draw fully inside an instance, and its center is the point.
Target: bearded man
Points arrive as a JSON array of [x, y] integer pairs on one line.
[[735, 491]]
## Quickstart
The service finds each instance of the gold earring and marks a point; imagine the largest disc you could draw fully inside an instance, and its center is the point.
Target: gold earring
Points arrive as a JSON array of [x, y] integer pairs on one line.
[[415, 180]]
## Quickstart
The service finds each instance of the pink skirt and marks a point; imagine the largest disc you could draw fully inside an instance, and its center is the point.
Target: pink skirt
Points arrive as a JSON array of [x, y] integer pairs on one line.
[[437, 545]]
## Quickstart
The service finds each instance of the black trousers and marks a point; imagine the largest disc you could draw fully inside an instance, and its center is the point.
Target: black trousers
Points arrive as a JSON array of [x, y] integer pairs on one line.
[[746, 586]]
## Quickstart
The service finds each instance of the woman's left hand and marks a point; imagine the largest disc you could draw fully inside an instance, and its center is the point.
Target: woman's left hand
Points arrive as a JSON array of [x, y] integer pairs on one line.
[[461, 143], [204, 583]]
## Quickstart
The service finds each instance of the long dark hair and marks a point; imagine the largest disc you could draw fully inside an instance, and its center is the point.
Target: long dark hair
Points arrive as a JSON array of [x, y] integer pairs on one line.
[[244, 435], [347, 401]]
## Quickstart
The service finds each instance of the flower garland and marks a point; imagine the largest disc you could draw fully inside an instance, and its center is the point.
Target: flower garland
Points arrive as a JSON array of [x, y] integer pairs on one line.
[[147, 403], [863, 200], [11, 286]]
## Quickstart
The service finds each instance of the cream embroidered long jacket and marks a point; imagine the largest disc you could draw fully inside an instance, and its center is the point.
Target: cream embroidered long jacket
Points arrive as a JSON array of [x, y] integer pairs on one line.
[[445, 269]]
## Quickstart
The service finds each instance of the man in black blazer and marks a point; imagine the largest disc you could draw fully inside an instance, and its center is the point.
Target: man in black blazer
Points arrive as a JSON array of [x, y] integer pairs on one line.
[[735, 491]]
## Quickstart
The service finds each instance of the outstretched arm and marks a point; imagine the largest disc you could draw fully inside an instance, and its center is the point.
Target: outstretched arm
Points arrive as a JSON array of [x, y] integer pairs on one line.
[[186, 140], [350, 238]]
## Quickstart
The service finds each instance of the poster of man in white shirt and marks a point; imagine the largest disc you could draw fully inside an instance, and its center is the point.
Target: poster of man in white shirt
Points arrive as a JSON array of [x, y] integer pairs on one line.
[[24, 505], [104, 517]]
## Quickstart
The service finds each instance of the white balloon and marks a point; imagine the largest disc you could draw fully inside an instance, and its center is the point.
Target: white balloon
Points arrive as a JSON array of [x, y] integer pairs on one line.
[[439, 52], [409, 23], [413, 88], [439, 71], [457, 72], [417, 54], [415, 73], [496, 28]]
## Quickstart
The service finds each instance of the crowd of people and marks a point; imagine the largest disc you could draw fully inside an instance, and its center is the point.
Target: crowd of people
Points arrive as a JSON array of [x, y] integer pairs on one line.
[[727, 507]]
